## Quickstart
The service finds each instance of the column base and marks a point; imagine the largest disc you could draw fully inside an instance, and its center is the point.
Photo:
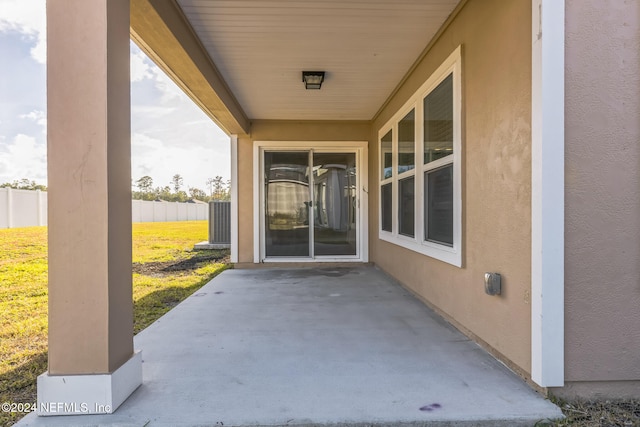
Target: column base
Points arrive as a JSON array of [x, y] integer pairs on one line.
[[206, 245], [88, 394]]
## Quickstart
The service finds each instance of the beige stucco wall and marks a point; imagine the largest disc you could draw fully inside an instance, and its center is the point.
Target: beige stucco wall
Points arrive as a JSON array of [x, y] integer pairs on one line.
[[281, 130], [496, 172], [602, 211]]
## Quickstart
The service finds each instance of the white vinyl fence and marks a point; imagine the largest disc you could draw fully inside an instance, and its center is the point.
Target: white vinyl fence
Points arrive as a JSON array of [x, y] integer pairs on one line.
[[22, 208], [26, 208], [145, 211]]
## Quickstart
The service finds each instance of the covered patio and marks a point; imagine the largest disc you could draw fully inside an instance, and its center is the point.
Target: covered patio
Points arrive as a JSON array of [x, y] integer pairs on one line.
[[324, 345], [434, 150]]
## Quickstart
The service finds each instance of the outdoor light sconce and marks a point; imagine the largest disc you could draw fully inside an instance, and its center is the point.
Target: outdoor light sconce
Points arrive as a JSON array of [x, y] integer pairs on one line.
[[492, 283], [312, 79]]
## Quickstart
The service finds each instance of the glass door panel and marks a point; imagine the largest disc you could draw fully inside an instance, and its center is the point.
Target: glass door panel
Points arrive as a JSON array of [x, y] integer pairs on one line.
[[287, 196], [334, 204]]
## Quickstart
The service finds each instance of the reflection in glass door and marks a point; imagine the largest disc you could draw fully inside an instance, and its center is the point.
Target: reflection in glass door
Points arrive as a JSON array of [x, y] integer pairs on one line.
[[295, 198], [286, 195], [334, 204]]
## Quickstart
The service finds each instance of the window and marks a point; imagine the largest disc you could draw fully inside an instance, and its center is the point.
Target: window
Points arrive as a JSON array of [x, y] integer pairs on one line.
[[420, 196], [406, 207], [438, 150], [406, 171], [385, 153], [439, 205], [386, 193], [406, 143]]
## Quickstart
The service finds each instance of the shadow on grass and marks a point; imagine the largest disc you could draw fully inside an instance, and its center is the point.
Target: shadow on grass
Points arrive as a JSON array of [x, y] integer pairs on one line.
[[172, 267], [19, 386]]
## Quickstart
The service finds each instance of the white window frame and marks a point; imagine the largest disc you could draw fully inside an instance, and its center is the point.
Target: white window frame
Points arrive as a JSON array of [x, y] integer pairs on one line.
[[449, 254]]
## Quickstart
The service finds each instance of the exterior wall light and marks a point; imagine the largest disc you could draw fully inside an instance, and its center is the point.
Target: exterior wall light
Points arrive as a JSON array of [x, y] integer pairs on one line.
[[312, 79], [492, 283]]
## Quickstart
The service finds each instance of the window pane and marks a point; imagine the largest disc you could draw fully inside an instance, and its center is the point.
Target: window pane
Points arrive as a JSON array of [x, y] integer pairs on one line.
[[438, 121], [439, 205], [406, 207], [386, 155], [386, 203], [334, 204], [406, 143], [286, 196]]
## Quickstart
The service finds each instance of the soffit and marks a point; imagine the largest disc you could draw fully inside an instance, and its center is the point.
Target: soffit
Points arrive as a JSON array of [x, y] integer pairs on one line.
[[261, 47]]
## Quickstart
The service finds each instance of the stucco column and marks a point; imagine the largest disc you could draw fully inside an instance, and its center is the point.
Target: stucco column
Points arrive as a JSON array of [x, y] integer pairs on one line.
[[92, 364]]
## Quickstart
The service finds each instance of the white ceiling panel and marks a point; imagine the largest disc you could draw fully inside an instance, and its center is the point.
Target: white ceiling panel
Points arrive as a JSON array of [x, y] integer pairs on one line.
[[261, 48]]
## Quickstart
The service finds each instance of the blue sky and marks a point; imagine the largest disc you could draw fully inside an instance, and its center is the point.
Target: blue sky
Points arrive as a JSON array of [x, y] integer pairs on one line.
[[169, 133]]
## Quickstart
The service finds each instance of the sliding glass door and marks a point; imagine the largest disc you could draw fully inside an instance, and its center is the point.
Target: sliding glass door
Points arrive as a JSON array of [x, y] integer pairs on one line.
[[286, 195], [310, 204]]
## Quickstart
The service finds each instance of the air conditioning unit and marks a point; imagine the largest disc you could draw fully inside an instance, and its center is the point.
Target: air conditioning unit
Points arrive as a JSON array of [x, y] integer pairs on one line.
[[220, 223]]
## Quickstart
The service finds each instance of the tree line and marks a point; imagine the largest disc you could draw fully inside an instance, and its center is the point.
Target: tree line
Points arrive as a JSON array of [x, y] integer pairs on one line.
[[24, 184], [218, 189]]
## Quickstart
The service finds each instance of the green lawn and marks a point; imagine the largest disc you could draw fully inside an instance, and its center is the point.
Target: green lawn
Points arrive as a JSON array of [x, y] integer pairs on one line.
[[166, 271]]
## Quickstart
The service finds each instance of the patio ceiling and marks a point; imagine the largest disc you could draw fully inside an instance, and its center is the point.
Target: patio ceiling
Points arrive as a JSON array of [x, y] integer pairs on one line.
[[260, 47]]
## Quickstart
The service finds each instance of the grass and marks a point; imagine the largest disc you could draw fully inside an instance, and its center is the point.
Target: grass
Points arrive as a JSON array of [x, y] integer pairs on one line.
[[166, 271], [603, 413]]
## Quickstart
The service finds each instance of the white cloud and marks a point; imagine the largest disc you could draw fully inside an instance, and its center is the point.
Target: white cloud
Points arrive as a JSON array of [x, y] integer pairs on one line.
[[170, 91], [160, 160], [23, 158], [28, 18], [151, 111], [24, 16], [39, 51], [140, 69], [39, 117]]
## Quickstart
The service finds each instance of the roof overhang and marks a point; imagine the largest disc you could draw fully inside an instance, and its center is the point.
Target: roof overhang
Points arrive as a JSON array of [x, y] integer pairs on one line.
[[242, 60]]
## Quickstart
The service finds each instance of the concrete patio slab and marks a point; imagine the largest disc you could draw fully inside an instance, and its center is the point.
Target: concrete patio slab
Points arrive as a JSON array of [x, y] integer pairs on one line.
[[338, 346]]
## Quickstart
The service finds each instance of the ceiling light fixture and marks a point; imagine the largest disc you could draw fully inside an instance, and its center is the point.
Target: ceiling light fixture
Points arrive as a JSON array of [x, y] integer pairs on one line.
[[312, 79]]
